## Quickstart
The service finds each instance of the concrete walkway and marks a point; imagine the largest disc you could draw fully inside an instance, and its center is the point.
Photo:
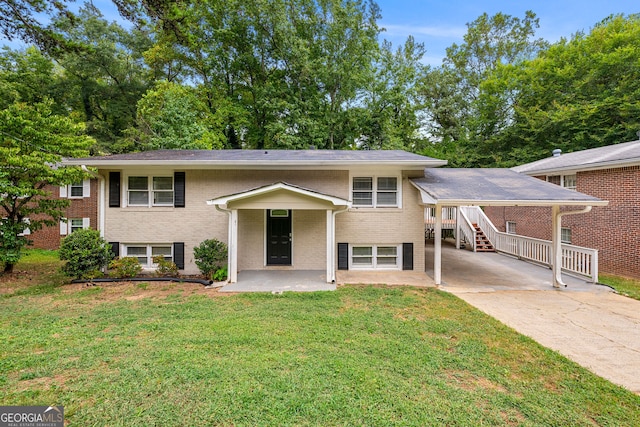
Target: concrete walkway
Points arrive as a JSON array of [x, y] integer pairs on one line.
[[587, 323]]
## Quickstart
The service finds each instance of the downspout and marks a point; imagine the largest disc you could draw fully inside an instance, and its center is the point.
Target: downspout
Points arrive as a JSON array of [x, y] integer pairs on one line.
[[332, 255], [557, 243], [101, 204]]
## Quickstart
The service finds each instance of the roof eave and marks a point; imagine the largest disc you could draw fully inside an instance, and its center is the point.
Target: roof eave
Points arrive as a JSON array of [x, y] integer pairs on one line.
[[582, 167]]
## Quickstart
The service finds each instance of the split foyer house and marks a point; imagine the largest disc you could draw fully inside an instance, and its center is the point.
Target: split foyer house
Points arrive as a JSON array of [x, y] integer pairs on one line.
[[610, 173], [321, 210]]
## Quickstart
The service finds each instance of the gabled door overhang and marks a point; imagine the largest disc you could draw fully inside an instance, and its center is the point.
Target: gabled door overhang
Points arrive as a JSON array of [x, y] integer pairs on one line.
[[280, 196]]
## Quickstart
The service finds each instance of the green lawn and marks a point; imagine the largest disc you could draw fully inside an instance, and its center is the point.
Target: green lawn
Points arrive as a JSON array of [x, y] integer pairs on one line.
[[625, 286], [172, 354]]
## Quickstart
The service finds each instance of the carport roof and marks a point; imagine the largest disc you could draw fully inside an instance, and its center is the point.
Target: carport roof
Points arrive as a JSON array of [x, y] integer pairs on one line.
[[497, 187]]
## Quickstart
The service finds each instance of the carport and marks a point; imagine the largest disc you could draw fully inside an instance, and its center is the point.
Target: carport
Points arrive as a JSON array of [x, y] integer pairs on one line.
[[480, 187]]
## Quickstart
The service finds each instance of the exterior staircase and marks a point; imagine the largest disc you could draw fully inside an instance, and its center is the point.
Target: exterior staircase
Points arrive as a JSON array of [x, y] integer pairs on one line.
[[483, 244]]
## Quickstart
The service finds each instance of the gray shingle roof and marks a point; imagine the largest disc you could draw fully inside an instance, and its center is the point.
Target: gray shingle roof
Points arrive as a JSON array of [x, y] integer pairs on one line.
[[612, 155], [261, 158], [495, 187]]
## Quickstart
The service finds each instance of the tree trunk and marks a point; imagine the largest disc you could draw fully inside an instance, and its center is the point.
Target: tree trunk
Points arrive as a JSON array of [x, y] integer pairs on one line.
[[8, 268]]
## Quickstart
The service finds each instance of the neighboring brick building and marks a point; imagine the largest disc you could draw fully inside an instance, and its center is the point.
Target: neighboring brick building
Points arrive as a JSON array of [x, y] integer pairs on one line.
[[610, 173], [82, 213]]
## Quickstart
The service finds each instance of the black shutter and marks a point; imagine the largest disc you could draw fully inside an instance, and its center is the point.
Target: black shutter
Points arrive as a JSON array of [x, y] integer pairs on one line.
[[114, 189], [115, 249], [343, 256], [407, 256], [178, 189], [178, 255]]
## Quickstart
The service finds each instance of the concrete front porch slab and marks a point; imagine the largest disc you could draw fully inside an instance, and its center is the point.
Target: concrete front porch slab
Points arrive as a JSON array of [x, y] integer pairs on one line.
[[277, 281]]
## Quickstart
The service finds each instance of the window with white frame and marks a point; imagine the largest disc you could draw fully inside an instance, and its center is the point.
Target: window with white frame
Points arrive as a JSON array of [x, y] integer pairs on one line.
[[373, 257], [511, 227], [566, 181], [369, 191], [77, 190], [146, 252], [69, 225], [565, 235], [150, 191]]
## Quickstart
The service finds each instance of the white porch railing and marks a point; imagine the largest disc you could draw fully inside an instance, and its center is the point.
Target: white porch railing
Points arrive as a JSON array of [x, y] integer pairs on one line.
[[576, 260]]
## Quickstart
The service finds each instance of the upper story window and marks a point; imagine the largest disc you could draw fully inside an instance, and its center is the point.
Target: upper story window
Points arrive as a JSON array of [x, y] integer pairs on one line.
[[566, 181], [150, 191], [76, 190], [375, 191]]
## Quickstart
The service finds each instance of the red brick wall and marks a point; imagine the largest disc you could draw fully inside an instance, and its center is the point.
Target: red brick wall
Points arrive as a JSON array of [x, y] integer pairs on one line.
[[614, 230], [87, 207]]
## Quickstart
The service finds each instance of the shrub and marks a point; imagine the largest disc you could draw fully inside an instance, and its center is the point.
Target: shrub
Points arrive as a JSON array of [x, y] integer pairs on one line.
[[210, 256], [220, 275], [86, 254], [125, 267], [165, 268]]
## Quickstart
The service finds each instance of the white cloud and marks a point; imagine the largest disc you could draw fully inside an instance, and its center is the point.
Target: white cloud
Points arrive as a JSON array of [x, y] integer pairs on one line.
[[422, 31]]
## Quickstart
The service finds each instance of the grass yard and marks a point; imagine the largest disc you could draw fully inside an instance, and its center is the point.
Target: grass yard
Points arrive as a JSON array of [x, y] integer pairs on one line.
[[623, 285], [172, 354]]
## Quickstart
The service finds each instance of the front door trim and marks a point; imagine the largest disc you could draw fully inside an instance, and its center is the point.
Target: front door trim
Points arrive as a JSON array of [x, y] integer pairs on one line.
[[283, 251]]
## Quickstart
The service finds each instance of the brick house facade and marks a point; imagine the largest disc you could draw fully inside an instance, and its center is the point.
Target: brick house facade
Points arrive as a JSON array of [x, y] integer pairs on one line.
[[82, 213], [610, 173]]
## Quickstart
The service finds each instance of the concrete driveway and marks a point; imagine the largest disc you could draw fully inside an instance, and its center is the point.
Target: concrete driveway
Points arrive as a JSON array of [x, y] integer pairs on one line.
[[587, 323]]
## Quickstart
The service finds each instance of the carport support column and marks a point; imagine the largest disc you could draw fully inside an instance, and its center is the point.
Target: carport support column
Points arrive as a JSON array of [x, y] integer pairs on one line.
[[457, 208], [556, 247], [437, 246], [233, 246]]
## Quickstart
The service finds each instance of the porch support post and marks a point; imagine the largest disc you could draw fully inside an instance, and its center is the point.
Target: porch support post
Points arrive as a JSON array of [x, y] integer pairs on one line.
[[331, 237], [233, 246], [437, 246]]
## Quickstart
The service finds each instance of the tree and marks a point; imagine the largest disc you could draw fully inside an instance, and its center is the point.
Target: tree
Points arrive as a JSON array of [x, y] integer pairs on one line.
[[171, 116], [106, 76], [33, 142], [465, 109], [578, 94]]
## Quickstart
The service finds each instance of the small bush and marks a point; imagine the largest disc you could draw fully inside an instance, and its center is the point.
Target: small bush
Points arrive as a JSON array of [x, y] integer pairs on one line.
[[125, 267], [86, 254], [210, 256], [165, 268], [220, 275]]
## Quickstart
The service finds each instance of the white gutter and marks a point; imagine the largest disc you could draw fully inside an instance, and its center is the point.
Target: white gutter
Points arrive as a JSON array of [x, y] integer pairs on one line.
[[331, 245], [557, 243]]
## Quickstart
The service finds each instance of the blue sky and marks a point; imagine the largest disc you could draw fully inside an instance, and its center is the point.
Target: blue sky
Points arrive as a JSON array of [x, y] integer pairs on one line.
[[440, 23]]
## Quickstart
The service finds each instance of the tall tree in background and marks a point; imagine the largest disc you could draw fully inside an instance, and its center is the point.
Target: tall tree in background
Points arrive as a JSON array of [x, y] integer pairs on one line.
[[580, 93], [276, 73], [106, 76], [461, 114]]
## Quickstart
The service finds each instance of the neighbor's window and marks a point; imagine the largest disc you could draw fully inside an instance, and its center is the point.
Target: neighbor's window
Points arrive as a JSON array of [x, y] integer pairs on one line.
[[569, 182], [76, 189], [160, 193], [374, 257], [511, 227], [375, 191], [565, 235], [566, 181], [145, 253], [75, 224]]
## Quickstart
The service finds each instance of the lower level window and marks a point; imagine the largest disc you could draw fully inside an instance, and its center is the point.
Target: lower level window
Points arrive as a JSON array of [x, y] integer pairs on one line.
[[565, 235], [146, 253], [375, 257]]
